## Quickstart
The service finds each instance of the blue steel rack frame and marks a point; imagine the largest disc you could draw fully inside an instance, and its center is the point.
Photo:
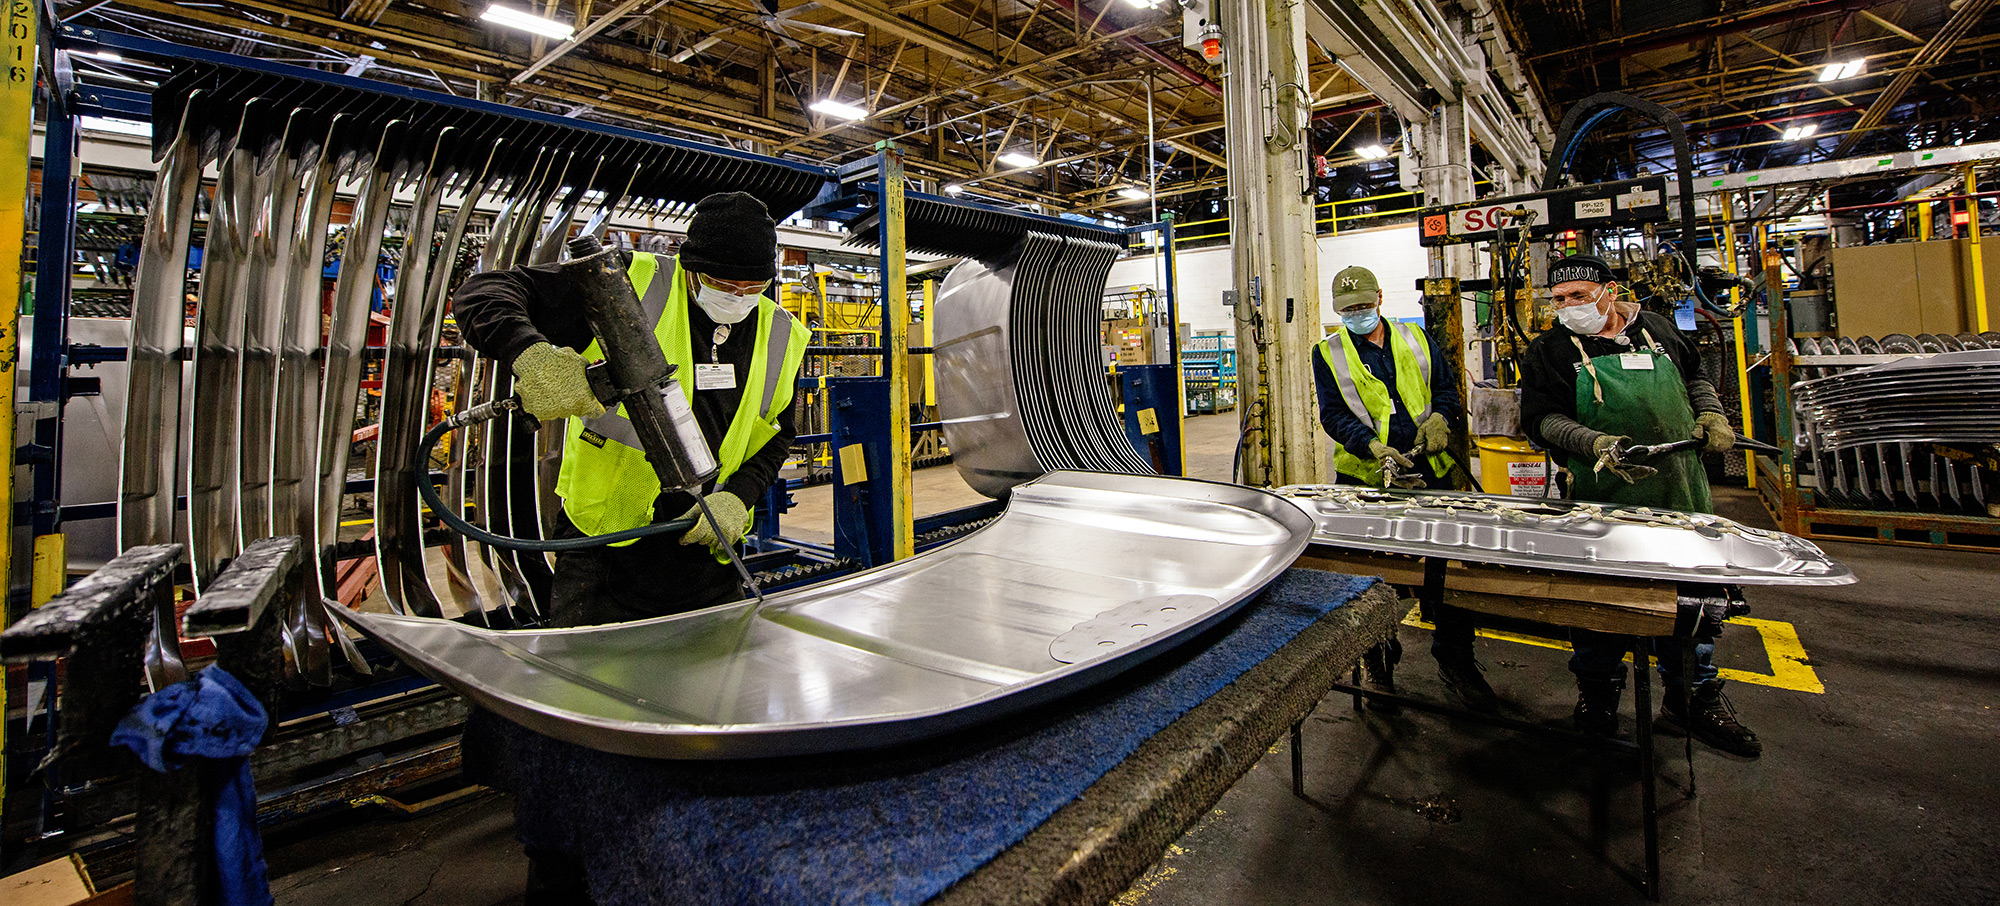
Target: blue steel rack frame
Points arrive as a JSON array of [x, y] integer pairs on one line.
[[861, 523], [49, 387], [858, 414]]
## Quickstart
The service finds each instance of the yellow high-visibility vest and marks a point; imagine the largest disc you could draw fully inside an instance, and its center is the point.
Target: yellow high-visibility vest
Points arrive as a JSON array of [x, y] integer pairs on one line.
[[605, 483], [1368, 398]]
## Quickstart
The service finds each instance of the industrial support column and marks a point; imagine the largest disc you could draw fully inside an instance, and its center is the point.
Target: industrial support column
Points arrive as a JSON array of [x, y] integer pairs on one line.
[[1978, 264], [17, 126], [896, 349], [1440, 153], [1742, 353], [1266, 117]]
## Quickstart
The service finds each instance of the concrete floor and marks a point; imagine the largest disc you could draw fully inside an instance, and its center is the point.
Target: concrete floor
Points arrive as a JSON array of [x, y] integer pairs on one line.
[[1878, 787]]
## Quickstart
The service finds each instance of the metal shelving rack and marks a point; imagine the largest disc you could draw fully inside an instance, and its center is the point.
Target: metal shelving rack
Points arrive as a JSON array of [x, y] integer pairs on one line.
[[1797, 509], [1210, 361]]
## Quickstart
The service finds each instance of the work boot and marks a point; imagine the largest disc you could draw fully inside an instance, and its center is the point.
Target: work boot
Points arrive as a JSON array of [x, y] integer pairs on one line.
[[1461, 677], [1597, 706], [1711, 719], [1379, 663]]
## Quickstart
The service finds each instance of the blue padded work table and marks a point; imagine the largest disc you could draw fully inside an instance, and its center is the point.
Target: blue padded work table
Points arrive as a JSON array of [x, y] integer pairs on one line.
[[1068, 803]]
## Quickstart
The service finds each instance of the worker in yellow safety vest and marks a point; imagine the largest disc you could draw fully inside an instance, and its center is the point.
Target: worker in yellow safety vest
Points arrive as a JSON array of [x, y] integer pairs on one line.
[[738, 355], [1387, 396]]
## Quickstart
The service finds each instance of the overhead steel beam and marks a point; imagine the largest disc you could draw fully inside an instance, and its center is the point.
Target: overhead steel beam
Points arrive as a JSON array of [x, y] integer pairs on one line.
[[1646, 42], [985, 79], [1333, 27], [1962, 20], [1175, 66], [589, 31]]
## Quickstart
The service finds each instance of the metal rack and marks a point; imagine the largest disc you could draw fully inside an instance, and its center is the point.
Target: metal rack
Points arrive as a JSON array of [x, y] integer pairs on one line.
[[1801, 511]]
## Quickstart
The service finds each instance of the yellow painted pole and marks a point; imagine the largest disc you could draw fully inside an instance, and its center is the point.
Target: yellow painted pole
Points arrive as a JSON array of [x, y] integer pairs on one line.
[[1742, 354], [1923, 221], [1978, 263], [17, 125], [896, 343], [930, 361]]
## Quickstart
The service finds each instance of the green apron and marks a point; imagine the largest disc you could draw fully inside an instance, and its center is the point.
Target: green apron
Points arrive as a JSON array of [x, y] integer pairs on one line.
[[1649, 405]]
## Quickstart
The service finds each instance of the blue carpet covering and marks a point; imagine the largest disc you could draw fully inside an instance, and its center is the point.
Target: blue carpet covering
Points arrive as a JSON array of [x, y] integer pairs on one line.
[[892, 827]]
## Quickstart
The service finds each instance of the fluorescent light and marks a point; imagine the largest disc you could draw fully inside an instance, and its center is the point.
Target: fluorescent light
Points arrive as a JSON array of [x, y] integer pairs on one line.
[[528, 22], [1133, 192], [121, 127], [1018, 159], [1145, 4], [953, 189], [1795, 133], [105, 55], [1372, 152], [831, 107], [1843, 70]]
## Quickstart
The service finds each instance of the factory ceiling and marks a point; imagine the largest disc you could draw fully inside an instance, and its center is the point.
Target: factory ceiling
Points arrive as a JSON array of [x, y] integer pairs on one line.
[[966, 85]]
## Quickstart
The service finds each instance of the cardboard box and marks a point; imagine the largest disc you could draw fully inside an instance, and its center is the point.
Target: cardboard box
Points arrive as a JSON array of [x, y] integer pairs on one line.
[[1911, 287], [58, 883]]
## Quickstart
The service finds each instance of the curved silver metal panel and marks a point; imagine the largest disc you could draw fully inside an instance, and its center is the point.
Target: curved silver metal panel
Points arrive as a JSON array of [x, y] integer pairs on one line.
[[1564, 536], [975, 373], [1020, 373], [1083, 576]]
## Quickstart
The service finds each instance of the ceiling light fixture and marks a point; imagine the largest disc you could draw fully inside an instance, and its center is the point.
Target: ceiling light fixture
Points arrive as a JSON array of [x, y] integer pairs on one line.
[[1795, 133], [1018, 159], [1134, 192], [1145, 4], [831, 107], [528, 22], [1843, 70], [953, 189], [1372, 152]]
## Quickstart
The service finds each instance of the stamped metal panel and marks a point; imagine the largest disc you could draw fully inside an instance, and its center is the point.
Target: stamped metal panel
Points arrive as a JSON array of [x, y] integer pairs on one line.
[[1084, 576], [976, 397], [1564, 536]]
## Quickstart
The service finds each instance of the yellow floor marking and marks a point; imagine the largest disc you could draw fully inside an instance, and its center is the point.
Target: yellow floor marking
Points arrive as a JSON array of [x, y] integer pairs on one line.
[[1789, 667]]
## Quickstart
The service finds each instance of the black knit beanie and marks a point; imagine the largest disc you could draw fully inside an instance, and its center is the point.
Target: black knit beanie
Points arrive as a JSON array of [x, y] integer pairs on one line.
[[1580, 267], [731, 238]]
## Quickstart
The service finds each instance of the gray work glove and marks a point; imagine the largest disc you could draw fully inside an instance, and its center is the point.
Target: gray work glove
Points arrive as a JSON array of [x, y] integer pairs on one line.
[[1434, 435], [734, 519], [1605, 448], [1713, 428], [551, 384], [1385, 453]]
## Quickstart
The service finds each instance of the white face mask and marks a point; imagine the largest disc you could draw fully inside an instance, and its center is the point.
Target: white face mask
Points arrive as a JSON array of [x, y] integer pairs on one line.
[[723, 306], [1585, 320]]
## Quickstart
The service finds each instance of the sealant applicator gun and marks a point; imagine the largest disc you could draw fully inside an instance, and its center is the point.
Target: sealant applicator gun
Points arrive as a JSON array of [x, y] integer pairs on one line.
[[635, 374]]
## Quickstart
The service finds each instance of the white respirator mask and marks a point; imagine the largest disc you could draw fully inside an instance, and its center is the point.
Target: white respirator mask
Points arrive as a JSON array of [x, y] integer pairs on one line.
[[723, 306], [1584, 320]]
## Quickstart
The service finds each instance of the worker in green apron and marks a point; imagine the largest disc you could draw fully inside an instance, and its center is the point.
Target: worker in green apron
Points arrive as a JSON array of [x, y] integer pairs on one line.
[[1607, 377]]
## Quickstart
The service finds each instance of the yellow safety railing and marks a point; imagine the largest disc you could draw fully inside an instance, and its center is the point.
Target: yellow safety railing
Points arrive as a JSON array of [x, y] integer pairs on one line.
[[1185, 233]]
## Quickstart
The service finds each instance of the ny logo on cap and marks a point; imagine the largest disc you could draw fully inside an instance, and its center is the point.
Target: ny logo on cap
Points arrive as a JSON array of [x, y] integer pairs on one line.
[[1349, 283]]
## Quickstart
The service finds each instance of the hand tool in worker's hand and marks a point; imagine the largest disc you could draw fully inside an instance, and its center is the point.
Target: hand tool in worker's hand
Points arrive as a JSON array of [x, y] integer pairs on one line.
[[1393, 475], [1653, 451]]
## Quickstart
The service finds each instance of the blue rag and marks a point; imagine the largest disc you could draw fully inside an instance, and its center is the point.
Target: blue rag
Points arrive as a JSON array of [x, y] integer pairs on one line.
[[886, 827], [212, 719]]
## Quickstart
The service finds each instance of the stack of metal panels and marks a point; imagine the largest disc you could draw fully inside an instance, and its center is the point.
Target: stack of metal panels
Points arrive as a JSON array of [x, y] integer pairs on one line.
[[1021, 375], [276, 378], [1916, 432]]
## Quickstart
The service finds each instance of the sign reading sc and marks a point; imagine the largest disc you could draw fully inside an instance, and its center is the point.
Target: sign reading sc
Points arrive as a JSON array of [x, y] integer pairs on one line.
[[1487, 218]]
